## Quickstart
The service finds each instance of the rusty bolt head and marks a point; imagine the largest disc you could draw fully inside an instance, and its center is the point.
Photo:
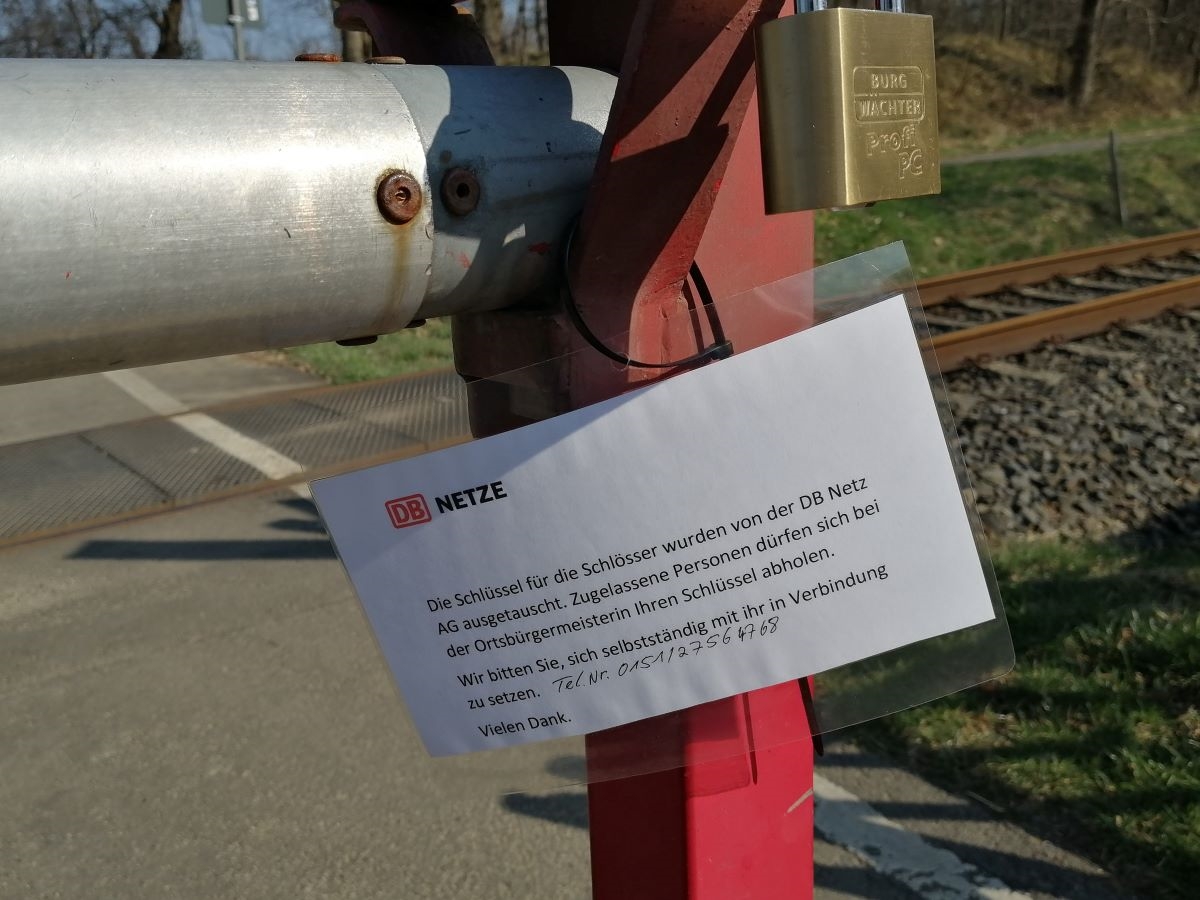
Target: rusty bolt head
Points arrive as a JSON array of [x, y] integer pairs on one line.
[[460, 191], [319, 57], [399, 197]]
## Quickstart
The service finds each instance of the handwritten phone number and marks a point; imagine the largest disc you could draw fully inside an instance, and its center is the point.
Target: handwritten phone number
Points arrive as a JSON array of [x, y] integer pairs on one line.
[[740, 634]]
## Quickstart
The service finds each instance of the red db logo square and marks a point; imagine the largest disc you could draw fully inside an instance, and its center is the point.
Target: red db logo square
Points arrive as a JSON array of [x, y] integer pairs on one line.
[[410, 510]]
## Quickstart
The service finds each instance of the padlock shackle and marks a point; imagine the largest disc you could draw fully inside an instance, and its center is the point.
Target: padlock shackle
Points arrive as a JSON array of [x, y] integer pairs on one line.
[[807, 6]]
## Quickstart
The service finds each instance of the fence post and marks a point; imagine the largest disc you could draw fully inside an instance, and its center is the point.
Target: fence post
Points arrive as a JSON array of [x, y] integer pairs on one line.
[[1115, 174]]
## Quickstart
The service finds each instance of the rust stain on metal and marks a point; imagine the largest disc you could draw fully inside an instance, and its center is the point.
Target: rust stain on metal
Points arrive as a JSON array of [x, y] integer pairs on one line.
[[387, 60], [460, 191], [319, 57], [399, 197]]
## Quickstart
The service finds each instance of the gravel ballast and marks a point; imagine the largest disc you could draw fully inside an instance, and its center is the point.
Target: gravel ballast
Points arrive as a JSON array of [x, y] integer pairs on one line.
[[1095, 439]]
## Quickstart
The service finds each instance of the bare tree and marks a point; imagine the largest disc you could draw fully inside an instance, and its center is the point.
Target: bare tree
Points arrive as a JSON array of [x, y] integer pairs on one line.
[[490, 16], [1084, 52], [1178, 37], [1194, 87], [94, 29], [1006, 14], [527, 39], [169, 20]]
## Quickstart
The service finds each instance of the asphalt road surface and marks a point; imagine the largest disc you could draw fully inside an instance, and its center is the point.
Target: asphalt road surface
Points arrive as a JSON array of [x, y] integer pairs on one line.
[[192, 706]]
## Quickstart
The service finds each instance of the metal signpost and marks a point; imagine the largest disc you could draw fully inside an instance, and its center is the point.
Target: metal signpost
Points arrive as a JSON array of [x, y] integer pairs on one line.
[[239, 14]]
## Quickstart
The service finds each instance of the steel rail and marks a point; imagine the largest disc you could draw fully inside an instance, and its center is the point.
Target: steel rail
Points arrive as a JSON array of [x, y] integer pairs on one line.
[[990, 279], [956, 349]]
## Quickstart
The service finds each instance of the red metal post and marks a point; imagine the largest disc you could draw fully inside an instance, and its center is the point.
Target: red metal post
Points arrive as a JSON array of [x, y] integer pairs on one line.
[[679, 178], [740, 825]]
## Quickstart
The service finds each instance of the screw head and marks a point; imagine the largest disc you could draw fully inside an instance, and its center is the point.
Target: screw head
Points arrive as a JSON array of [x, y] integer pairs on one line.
[[398, 197], [460, 191]]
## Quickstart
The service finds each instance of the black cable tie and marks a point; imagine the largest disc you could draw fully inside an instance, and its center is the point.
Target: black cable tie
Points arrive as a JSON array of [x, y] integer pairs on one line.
[[722, 348], [810, 710]]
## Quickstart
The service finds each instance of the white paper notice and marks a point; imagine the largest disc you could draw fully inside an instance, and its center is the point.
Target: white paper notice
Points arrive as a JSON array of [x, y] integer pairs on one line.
[[780, 513]]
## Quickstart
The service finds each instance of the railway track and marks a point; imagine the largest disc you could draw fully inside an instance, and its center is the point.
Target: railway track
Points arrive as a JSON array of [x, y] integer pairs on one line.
[[984, 314], [71, 481]]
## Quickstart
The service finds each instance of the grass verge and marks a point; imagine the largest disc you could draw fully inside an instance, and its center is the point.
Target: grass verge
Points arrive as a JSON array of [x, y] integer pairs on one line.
[[1095, 737], [995, 212], [413, 350]]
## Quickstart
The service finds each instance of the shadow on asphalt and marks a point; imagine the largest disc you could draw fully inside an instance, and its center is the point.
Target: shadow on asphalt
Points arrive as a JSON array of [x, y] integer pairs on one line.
[[570, 809], [561, 809], [208, 551], [1040, 875], [863, 884], [305, 520]]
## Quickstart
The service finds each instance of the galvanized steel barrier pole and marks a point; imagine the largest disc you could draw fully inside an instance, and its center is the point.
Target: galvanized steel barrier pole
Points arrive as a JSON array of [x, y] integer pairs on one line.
[[157, 211]]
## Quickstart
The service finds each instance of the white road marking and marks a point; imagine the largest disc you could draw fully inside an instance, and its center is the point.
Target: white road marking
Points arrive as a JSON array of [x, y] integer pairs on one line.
[[934, 874], [257, 455], [145, 393], [271, 463]]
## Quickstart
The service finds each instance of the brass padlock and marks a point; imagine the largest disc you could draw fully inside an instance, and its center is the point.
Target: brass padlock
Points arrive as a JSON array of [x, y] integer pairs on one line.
[[848, 107]]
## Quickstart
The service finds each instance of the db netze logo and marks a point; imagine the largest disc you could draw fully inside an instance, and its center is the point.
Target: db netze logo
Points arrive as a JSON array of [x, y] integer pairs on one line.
[[410, 510]]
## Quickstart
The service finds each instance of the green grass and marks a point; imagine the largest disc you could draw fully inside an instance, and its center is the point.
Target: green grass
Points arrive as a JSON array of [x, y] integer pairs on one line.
[[412, 350], [1094, 738], [1130, 130], [995, 212]]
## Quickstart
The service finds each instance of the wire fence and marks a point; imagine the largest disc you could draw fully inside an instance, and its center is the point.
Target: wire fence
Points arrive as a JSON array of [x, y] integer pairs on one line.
[[1111, 143]]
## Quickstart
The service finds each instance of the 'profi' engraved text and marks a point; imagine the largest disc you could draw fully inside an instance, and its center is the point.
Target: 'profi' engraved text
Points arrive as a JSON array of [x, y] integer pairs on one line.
[[472, 496], [892, 140], [910, 157]]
